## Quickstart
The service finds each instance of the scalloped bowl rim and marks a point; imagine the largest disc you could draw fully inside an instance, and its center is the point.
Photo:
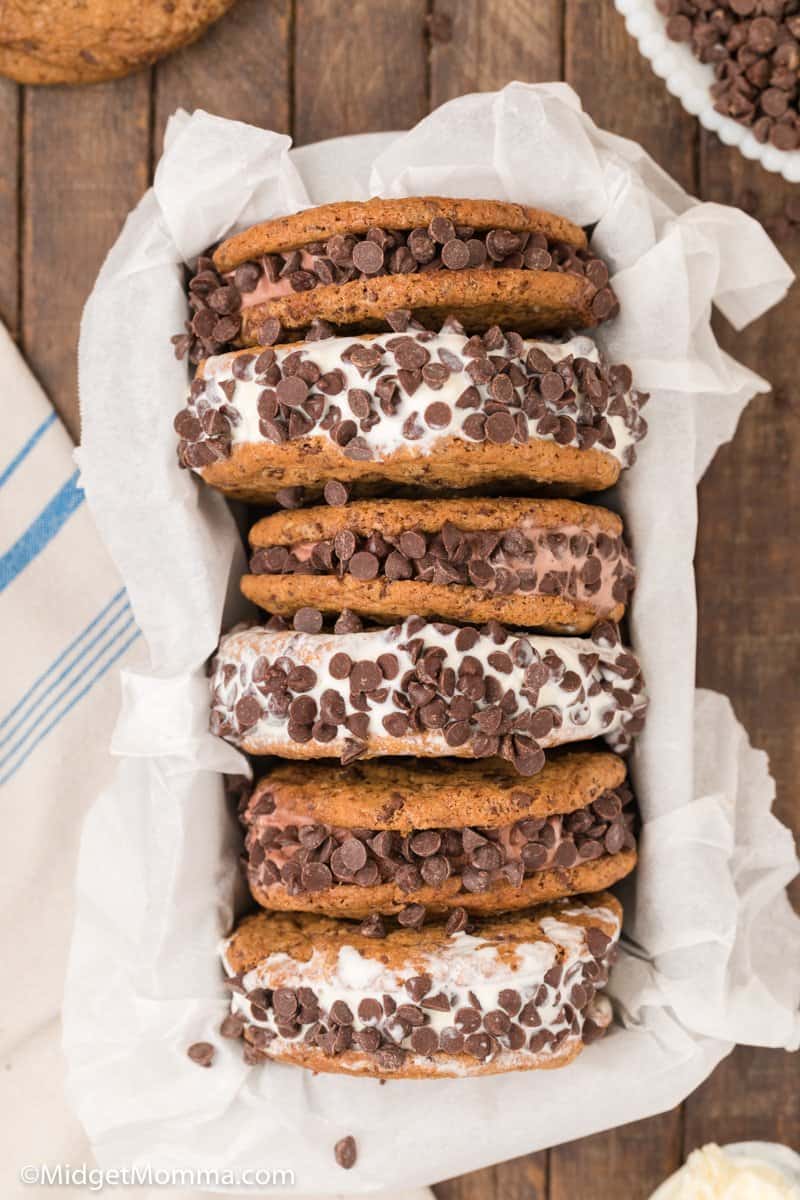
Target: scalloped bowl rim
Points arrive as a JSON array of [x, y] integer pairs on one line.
[[689, 81]]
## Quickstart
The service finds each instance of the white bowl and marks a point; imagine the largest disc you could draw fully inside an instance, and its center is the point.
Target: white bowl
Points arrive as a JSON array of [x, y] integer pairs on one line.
[[691, 80], [772, 1154]]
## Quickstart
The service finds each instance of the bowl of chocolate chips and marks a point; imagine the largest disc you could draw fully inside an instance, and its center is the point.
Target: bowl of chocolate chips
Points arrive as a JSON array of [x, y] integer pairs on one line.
[[734, 64]]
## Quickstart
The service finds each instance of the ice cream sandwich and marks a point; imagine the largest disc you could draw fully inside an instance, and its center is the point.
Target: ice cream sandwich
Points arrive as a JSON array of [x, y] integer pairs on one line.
[[424, 689], [351, 263], [548, 564], [428, 412], [521, 991], [427, 837]]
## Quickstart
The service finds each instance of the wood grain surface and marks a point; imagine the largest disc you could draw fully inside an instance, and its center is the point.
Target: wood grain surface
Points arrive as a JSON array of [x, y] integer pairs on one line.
[[74, 161]]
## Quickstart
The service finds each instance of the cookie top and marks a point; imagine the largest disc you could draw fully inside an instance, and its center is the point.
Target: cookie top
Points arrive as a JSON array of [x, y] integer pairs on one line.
[[405, 796], [86, 41], [391, 517], [303, 936], [411, 212]]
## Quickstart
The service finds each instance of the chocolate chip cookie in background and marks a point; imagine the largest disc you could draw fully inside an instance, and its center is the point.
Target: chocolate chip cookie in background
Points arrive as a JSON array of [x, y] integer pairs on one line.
[[485, 262], [416, 839], [754, 48], [546, 564], [424, 689], [427, 411], [524, 991], [86, 41]]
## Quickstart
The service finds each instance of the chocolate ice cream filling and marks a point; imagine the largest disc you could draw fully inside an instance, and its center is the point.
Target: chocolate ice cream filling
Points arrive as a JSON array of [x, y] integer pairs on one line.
[[218, 300], [587, 566], [303, 856]]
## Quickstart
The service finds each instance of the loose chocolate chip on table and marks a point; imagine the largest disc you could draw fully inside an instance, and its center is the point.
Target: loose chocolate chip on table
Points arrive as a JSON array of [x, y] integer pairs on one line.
[[345, 1152]]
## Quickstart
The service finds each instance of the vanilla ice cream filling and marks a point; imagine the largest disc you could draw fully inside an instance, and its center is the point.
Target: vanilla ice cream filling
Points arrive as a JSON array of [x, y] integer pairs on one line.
[[390, 432], [512, 1004]]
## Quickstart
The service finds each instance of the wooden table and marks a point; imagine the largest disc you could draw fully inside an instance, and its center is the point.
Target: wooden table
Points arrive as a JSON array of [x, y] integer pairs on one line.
[[74, 161]]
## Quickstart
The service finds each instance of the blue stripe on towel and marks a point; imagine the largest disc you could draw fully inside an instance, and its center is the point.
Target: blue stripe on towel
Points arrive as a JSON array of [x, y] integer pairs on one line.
[[57, 661], [66, 692], [26, 449], [74, 700], [76, 665], [50, 520]]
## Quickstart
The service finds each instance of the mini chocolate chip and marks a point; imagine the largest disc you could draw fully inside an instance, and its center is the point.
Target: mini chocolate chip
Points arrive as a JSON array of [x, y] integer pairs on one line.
[[232, 1026], [500, 428], [457, 922], [336, 494], [345, 1152], [340, 665], [397, 566], [307, 620], [353, 853], [438, 415], [365, 676], [373, 927], [412, 917], [441, 230], [426, 842], [201, 1053], [413, 544], [364, 566], [301, 678], [451, 1040], [418, 986], [247, 711], [468, 1020], [395, 724], [455, 254], [367, 257]]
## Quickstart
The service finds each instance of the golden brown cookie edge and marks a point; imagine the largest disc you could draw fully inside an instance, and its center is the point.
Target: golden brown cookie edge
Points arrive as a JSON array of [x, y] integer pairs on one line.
[[486, 792], [390, 516], [298, 935], [438, 1066], [526, 301], [386, 601], [257, 471]]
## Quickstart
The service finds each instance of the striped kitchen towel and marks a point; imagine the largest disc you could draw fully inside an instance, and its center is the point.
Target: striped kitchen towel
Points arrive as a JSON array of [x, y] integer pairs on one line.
[[65, 617], [66, 627]]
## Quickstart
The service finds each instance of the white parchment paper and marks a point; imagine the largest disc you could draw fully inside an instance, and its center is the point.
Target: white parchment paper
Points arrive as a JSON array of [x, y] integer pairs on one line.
[[714, 952]]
